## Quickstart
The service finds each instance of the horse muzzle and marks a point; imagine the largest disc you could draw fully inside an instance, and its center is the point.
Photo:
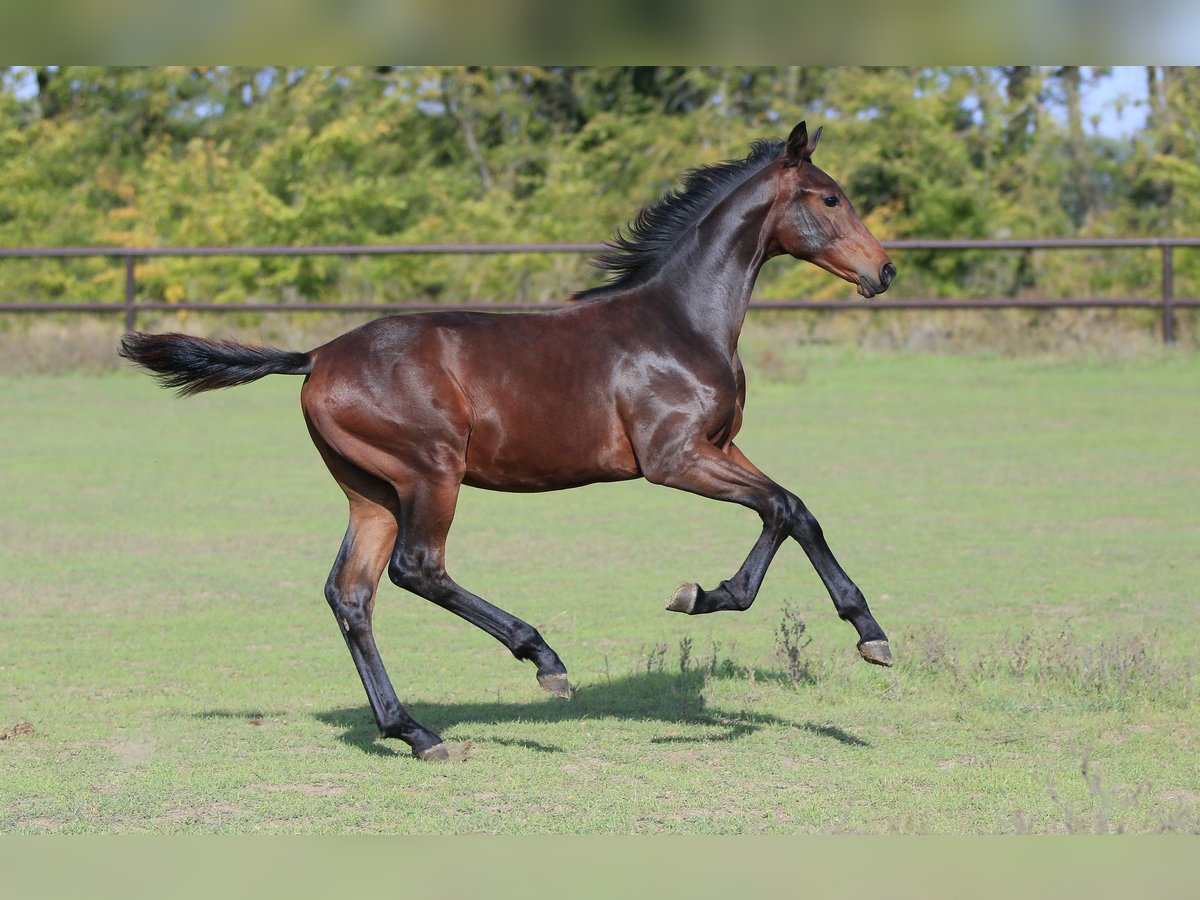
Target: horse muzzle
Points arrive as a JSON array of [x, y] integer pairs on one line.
[[870, 286]]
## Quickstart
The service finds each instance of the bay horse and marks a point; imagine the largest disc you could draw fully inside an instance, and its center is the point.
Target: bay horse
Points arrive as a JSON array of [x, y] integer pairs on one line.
[[639, 378]]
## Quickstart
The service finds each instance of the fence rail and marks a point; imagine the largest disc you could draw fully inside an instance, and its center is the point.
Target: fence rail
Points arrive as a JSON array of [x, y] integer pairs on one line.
[[1166, 302]]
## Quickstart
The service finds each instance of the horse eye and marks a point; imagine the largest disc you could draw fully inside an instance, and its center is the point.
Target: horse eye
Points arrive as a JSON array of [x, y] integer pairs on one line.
[[831, 201]]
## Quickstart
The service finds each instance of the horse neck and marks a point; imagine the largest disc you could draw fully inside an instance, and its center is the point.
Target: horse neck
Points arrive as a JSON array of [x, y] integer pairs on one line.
[[710, 276]]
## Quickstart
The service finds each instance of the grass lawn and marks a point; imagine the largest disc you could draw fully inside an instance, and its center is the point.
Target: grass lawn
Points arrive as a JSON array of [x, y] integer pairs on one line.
[[1027, 531]]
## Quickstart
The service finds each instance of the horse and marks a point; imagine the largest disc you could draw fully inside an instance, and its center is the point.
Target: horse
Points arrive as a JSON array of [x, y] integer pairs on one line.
[[638, 378]]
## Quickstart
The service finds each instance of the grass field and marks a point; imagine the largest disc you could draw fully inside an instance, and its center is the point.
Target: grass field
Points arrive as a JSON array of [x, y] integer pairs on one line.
[[1027, 531]]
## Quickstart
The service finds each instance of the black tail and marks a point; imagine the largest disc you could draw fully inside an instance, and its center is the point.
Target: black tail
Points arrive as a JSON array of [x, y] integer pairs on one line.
[[192, 364]]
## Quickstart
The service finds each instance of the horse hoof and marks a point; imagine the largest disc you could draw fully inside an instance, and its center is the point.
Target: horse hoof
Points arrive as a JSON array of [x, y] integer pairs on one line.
[[436, 753], [684, 598], [556, 685], [876, 652]]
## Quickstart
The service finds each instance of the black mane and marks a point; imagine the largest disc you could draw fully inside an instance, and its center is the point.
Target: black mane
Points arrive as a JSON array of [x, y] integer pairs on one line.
[[637, 250]]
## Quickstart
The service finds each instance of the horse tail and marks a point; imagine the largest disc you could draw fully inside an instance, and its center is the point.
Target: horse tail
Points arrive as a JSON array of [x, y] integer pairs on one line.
[[192, 364]]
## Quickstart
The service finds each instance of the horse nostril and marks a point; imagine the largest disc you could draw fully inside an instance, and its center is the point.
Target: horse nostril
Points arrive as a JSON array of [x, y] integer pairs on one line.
[[886, 274]]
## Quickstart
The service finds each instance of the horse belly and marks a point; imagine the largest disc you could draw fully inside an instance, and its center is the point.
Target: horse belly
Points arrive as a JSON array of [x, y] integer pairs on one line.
[[547, 449]]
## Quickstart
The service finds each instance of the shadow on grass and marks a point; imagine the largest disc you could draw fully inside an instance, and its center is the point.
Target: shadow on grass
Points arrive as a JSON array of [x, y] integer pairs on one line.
[[646, 696]]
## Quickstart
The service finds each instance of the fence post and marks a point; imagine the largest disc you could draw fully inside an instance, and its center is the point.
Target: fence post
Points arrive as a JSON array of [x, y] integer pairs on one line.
[[130, 294], [1168, 295]]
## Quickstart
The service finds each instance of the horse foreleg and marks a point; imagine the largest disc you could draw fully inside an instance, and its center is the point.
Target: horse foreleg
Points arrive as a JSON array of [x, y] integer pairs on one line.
[[418, 565], [351, 595], [847, 599], [705, 470]]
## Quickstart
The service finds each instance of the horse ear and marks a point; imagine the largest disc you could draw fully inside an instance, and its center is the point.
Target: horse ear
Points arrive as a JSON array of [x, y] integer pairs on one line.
[[812, 142], [797, 144]]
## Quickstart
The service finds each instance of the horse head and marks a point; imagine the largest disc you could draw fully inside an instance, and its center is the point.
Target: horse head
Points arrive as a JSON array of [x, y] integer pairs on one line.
[[814, 221]]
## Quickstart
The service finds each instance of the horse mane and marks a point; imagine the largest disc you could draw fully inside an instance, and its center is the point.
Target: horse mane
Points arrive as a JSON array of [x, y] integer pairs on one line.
[[637, 250]]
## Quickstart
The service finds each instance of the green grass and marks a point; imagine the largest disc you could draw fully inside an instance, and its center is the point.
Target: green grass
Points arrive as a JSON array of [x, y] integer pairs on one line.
[[1027, 532]]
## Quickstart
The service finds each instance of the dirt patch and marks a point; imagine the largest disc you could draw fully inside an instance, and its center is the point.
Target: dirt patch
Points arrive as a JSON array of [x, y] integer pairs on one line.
[[461, 752], [21, 729], [1180, 796], [133, 752], [214, 816]]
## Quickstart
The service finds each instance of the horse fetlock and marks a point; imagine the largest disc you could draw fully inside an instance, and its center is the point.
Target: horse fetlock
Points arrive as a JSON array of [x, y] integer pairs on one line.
[[551, 673], [424, 743], [527, 643]]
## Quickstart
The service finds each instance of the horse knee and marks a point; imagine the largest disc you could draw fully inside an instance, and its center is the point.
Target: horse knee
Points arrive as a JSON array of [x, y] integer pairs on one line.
[[787, 513], [805, 526], [784, 511]]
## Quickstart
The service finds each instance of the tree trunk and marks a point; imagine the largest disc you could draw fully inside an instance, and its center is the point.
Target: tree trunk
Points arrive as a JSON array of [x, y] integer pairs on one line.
[[1020, 108], [454, 107]]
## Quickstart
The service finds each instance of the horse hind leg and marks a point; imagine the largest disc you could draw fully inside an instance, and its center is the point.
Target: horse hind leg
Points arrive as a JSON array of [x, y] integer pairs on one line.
[[418, 565], [351, 588], [350, 591]]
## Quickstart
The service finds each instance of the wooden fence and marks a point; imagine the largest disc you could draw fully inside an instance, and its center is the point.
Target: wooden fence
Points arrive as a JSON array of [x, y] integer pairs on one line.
[[1166, 301]]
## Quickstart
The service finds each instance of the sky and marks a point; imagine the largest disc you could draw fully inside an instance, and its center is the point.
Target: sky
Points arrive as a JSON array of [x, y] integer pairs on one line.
[[1118, 102]]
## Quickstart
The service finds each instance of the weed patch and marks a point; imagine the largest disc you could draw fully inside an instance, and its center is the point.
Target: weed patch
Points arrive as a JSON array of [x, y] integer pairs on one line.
[[1113, 671]]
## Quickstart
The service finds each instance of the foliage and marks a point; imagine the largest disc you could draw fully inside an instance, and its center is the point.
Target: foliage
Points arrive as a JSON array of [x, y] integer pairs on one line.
[[164, 156]]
